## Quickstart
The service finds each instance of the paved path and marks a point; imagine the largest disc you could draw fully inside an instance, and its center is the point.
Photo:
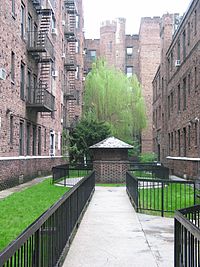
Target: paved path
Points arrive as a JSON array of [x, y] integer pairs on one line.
[[7, 192], [112, 234]]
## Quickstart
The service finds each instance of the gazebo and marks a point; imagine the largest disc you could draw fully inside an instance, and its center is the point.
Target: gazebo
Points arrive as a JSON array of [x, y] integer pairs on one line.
[[110, 160]]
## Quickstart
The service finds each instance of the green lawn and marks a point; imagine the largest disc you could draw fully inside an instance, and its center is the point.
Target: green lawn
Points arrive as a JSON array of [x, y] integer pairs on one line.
[[176, 196], [20, 209]]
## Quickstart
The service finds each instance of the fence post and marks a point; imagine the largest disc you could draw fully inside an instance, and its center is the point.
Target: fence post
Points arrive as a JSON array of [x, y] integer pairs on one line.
[[194, 193], [177, 242], [37, 249], [137, 195], [162, 200]]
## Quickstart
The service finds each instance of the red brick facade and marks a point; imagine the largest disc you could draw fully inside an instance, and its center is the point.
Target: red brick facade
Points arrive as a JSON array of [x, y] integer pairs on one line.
[[176, 96], [35, 104]]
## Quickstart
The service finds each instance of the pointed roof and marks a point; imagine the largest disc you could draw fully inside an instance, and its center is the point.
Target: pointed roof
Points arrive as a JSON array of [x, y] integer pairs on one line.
[[111, 142]]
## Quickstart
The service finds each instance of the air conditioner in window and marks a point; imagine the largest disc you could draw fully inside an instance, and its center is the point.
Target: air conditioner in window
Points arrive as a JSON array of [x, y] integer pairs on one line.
[[61, 121], [54, 31], [54, 73], [63, 55], [63, 22], [2, 74], [83, 79], [177, 63]]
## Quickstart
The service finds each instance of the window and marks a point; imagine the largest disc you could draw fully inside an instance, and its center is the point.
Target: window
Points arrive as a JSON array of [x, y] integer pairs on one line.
[[179, 142], [92, 54], [189, 83], [172, 101], [53, 23], [178, 50], [171, 61], [179, 98], [188, 33], [11, 130], [196, 133], [45, 139], [168, 105], [12, 67], [77, 22], [77, 47], [184, 94], [172, 141], [28, 137], [39, 141], [162, 86], [21, 138], [22, 81], [129, 51], [189, 135], [129, 71], [30, 32], [77, 73], [13, 8], [195, 22], [184, 45], [195, 78], [169, 143], [110, 46], [184, 142], [22, 20], [28, 92], [34, 141]]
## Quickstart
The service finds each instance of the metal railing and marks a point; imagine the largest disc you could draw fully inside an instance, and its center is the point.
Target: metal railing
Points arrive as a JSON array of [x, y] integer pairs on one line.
[[40, 97], [149, 170], [62, 173], [39, 42], [45, 242], [187, 237], [161, 196]]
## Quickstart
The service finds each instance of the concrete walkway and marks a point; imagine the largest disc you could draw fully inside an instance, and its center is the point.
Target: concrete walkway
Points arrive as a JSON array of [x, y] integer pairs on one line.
[[112, 234]]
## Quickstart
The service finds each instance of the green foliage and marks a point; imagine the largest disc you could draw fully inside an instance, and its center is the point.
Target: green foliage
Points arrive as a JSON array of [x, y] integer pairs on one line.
[[147, 157], [87, 132], [19, 210], [116, 99]]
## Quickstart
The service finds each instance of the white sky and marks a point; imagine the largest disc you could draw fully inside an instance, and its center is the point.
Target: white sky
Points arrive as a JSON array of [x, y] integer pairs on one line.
[[96, 11]]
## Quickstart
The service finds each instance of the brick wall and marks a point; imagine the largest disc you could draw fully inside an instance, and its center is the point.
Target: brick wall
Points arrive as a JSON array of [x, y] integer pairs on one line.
[[16, 171], [149, 60], [110, 171]]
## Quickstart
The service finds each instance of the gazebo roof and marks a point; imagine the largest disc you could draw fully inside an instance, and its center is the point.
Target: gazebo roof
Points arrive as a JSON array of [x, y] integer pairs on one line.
[[111, 142]]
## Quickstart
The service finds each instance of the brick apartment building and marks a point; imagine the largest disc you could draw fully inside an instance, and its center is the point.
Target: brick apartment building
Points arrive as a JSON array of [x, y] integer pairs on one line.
[[176, 110], [133, 54], [41, 87]]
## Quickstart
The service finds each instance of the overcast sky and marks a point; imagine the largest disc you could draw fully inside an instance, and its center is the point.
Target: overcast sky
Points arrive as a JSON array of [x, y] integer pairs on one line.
[[96, 11]]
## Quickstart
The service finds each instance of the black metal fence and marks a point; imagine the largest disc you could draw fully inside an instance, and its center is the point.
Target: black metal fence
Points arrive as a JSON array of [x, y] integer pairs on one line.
[[62, 173], [187, 237], [160, 196], [45, 242], [149, 170]]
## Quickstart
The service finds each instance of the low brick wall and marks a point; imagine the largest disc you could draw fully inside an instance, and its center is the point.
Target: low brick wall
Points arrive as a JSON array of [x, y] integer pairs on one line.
[[110, 171], [16, 171], [187, 169]]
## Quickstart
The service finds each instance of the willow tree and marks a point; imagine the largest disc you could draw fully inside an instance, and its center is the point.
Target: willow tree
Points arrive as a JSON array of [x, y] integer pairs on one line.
[[116, 99]]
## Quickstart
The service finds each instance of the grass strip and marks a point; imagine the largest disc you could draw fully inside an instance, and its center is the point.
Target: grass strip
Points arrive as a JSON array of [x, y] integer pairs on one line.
[[20, 209]]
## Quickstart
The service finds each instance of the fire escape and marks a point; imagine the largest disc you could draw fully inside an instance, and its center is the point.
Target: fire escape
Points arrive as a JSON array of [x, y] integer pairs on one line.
[[40, 47], [70, 61]]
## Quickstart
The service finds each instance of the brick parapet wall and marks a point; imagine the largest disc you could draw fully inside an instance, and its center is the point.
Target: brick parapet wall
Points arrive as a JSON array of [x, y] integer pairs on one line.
[[110, 171], [16, 171], [188, 169]]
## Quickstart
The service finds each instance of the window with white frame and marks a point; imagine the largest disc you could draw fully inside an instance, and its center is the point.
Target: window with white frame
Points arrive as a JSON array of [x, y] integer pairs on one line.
[[129, 51], [129, 71]]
